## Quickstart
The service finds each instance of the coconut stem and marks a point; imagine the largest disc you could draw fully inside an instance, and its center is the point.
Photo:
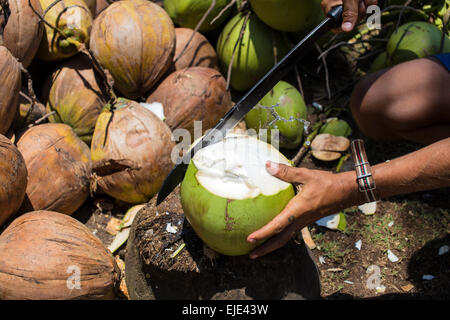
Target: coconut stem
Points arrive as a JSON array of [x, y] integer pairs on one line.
[[41, 119], [205, 15], [324, 62], [222, 11], [306, 145]]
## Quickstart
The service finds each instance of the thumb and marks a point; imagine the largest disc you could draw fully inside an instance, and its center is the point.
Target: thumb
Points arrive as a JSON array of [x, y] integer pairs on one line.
[[350, 14], [284, 172]]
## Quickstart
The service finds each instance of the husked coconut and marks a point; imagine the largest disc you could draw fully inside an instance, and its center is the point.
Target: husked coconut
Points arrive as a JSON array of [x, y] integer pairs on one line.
[[59, 168], [193, 94], [227, 193], [48, 255], [131, 151], [13, 177]]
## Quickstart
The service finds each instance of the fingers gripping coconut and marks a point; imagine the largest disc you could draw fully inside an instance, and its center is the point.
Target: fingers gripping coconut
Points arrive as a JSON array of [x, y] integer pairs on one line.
[[227, 193]]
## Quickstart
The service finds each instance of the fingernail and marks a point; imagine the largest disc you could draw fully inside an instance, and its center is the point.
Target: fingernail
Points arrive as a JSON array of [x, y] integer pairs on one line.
[[272, 167], [253, 256], [347, 26], [252, 240]]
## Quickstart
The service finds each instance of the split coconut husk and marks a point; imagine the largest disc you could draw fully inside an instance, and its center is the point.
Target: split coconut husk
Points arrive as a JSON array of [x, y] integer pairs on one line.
[[59, 168], [23, 31], [13, 177], [77, 96], [71, 22], [49, 255], [131, 152], [135, 41], [193, 94], [9, 90], [199, 52], [327, 147]]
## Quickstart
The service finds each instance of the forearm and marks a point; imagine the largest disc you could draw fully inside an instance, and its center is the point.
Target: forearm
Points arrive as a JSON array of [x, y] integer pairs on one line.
[[424, 169]]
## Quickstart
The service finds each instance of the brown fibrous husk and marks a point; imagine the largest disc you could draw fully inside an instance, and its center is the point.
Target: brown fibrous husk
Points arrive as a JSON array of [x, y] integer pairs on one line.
[[199, 52], [49, 255], [13, 177], [10, 75], [23, 31], [193, 94]]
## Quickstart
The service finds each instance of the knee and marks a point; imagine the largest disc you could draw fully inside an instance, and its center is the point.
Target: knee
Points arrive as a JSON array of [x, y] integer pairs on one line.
[[367, 108]]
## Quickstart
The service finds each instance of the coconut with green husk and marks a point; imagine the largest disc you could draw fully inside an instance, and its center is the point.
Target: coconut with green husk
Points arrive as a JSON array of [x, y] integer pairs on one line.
[[412, 40], [281, 108], [188, 13], [227, 193], [288, 15], [253, 54], [336, 127]]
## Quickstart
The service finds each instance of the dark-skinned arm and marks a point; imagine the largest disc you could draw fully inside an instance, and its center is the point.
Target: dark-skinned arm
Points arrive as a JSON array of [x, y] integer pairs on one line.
[[324, 193]]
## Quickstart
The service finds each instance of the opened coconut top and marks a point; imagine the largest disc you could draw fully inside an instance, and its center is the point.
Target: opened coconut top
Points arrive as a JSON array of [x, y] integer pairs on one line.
[[235, 168]]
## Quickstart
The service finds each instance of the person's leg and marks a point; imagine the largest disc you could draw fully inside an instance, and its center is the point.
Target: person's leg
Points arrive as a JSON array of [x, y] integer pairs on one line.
[[409, 101]]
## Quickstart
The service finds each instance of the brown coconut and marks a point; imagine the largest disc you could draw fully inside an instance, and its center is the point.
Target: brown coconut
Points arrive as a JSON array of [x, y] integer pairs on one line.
[[76, 94], [131, 152], [59, 168], [135, 41], [193, 94], [10, 76], [23, 30], [199, 52], [49, 255], [13, 177]]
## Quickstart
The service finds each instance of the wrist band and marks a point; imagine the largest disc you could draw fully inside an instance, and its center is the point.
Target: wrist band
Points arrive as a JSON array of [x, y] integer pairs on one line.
[[364, 177]]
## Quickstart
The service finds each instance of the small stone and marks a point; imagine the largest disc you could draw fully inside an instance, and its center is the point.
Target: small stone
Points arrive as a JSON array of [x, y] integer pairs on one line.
[[391, 256], [358, 244], [443, 250], [171, 228], [322, 260]]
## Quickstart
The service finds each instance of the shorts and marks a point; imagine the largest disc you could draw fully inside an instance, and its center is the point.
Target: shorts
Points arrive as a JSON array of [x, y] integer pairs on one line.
[[444, 59]]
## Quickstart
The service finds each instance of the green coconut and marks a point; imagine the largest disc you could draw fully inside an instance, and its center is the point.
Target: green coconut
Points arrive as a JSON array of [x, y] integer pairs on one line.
[[379, 63], [188, 13], [414, 40], [287, 103], [227, 193], [288, 15], [336, 127], [254, 54]]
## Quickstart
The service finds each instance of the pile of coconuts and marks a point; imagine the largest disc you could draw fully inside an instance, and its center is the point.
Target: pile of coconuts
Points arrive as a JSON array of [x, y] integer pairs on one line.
[[95, 96]]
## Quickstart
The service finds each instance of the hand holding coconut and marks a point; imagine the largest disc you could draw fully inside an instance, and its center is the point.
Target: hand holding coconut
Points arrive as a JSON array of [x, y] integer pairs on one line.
[[323, 193]]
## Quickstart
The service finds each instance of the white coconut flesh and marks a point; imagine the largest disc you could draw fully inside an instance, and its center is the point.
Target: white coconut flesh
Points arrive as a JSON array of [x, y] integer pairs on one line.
[[235, 168]]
